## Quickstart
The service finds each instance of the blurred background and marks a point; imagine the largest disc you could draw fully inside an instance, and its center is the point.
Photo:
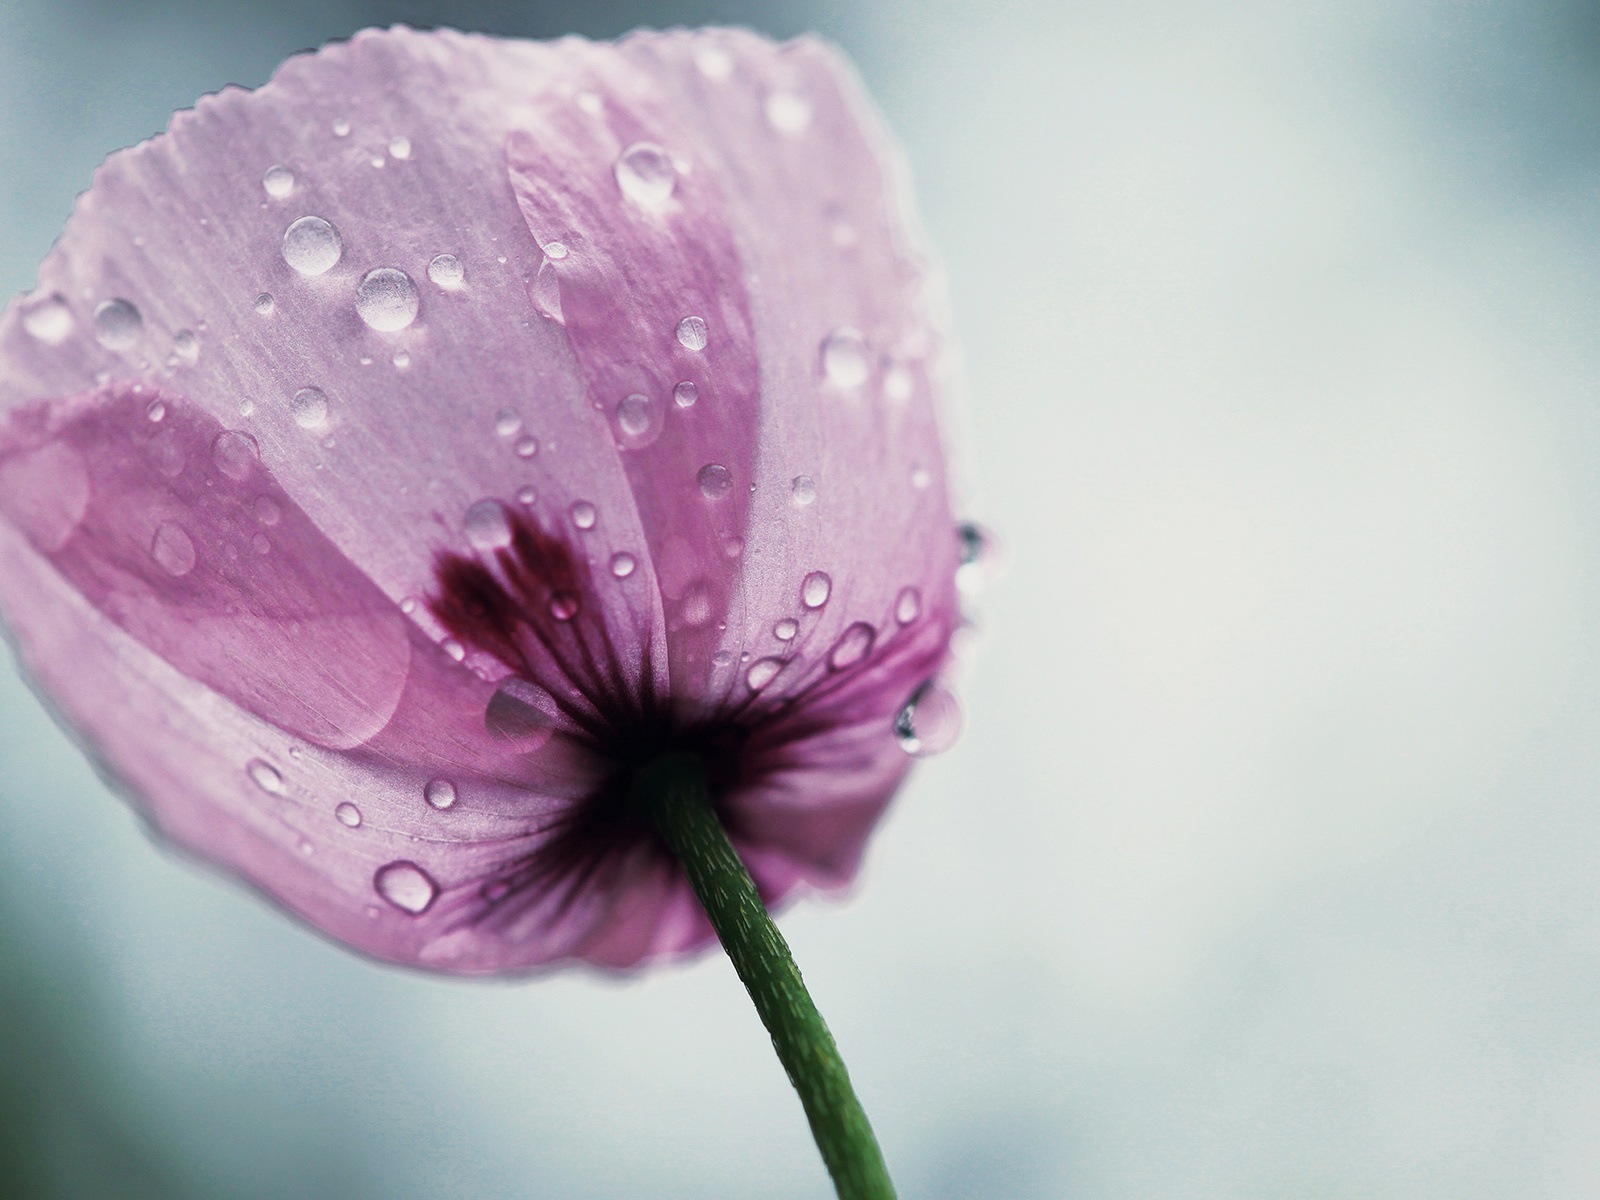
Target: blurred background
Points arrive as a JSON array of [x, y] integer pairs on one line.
[[1269, 865]]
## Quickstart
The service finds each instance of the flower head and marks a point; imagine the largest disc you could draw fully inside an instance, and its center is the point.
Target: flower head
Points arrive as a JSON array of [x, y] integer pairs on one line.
[[396, 458]]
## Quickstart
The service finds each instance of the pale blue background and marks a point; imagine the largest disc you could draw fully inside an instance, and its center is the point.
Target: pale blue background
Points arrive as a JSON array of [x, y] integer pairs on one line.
[[1270, 864]]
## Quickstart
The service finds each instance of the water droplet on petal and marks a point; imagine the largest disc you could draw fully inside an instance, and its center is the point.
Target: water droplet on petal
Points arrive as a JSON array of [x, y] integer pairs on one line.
[[555, 250], [278, 181], [695, 607], [716, 481], [406, 886], [173, 549], [623, 564], [685, 394], [975, 549], [844, 358], [235, 454], [852, 646], [312, 246], [693, 333], [117, 323], [446, 271], [646, 175], [155, 412], [722, 658], [930, 722], [714, 62], [786, 629], [520, 711], [267, 510], [309, 407], [908, 605], [454, 649], [265, 776], [341, 128], [563, 606], [399, 147], [804, 490], [49, 319], [583, 514], [507, 423], [762, 672], [487, 526], [921, 477], [789, 112], [898, 383], [387, 299], [439, 793], [526, 496], [815, 589], [526, 447], [349, 815], [261, 543], [638, 420], [265, 304]]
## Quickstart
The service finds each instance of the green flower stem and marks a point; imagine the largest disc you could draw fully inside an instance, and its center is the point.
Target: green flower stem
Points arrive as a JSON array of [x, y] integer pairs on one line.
[[673, 791]]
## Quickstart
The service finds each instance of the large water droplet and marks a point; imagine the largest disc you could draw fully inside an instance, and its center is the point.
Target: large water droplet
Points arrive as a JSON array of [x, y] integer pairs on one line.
[[446, 271], [786, 629], [406, 886], [278, 181], [844, 358], [930, 722], [692, 333], [685, 394], [235, 454], [815, 589], [646, 175], [803, 490], [387, 299], [265, 776], [853, 645], [349, 815], [762, 672], [487, 526], [716, 481], [583, 514], [172, 548], [908, 605], [48, 319], [520, 711], [623, 564], [312, 246], [439, 793], [789, 112], [117, 323], [309, 407]]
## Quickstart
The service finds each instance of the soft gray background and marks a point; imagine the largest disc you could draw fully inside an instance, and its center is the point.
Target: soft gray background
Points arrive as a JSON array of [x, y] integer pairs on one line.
[[1268, 866]]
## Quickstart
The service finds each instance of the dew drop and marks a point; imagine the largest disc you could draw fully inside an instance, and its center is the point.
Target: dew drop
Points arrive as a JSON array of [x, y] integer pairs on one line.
[[341, 128], [265, 776], [695, 607], [722, 658], [815, 589], [716, 481], [921, 477], [623, 564], [406, 886], [646, 175], [714, 62], [261, 543], [692, 333], [454, 649], [520, 711], [267, 510], [235, 454], [786, 629], [387, 299], [563, 606], [399, 147], [583, 514], [789, 112], [762, 672], [278, 181], [635, 416], [908, 605], [309, 407], [685, 394], [117, 323], [401, 360], [173, 549], [487, 526], [853, 645], [312, 246], [844, 358], [526, 447], [264, 304], [555, 250], [49, 319], [803, 490], [439, 793], [930, 722], [349, 815], [898, 383], [155, 412], [446, 271], [975, 552], [526, 496], [507, 423]]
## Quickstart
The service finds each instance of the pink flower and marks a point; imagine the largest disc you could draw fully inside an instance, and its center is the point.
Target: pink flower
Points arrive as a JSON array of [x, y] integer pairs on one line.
[[394, 458]]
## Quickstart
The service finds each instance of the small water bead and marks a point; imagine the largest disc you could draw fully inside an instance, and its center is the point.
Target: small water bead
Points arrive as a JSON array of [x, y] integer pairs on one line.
[[496, 890], [507, 423], [406, 886], [399, 147], [693, 333], [590, 103], [974, 549], [341, 128], [921, 477], [454, 649], [685, 394], [930, 722], [155, 412], [555, 250], [803, 490], [264, 304], [267, 510], [898, 383], [235, 454], [722, 658], [49, 319], [634, 415], [583, 514], [446, 271], [387, 299], [312, 246], [520, 711], [563, 606], [260, 543], [186, 346], [439, 793], [695, 607], [487, 526], [349, 815], [762, 672], [526, 447], [173, 549], [853, 646], [401, 360], [844, 358], [714, 63], [309, 407], [646, 175], [526, 496], [789, 111], [623, 564], [117, 323], [265, 776], [908, 605], [815, 589], [786, 629], [278, 181], [716, 481]]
